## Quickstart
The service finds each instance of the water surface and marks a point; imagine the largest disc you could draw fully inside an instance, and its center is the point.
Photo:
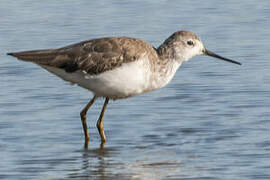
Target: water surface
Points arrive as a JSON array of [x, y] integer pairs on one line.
[[211, 122]]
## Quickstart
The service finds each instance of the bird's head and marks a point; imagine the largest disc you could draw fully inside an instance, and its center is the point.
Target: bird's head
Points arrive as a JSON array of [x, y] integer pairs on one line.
[[184, 45]]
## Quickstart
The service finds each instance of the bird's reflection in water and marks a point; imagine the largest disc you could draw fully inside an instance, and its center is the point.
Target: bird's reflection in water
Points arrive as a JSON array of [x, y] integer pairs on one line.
[[109, 163], [98, 164]]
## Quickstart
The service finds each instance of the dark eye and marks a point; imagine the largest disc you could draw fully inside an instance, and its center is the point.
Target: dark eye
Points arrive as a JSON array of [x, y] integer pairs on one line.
[[189, 42]]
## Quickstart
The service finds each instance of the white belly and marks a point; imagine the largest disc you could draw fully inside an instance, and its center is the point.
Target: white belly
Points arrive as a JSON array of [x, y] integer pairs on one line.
[[128, 80]]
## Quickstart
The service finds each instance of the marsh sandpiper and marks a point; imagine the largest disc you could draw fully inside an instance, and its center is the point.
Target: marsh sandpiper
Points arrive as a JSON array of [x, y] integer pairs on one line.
[[118, 67]]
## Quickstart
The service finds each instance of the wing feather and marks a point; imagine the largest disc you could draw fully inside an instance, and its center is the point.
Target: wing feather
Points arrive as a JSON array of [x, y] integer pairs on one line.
[[93, 56]]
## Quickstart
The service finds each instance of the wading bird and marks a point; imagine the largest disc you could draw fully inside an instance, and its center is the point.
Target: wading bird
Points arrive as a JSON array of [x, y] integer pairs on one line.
[[118, 67]]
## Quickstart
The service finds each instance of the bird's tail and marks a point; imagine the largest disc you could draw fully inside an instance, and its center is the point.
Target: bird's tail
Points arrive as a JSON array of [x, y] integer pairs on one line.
[[36, 56]]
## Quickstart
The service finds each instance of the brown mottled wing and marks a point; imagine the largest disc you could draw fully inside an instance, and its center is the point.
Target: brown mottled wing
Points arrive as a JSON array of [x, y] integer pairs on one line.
[[94, 56]]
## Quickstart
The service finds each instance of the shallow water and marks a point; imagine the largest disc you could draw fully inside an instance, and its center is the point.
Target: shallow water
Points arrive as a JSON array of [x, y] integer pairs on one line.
[[211, 122]]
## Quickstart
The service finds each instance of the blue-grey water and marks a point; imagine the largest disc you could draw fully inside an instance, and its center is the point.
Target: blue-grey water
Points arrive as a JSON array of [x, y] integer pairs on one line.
[[211, 122]]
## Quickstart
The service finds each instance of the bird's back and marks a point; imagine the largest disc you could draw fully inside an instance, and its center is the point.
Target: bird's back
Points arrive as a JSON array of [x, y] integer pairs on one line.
[[94, 56]]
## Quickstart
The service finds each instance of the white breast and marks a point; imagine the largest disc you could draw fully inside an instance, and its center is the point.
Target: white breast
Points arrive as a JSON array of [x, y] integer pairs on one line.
[[164, 74]]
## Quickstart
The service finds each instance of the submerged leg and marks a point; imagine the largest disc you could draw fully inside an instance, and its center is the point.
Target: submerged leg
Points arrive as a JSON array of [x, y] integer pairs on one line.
[[83, 119], [100, 123]]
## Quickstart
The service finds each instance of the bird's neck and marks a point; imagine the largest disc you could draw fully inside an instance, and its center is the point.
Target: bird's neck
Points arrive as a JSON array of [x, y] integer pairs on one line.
[[172, 51], [165, 52], [165, 67]]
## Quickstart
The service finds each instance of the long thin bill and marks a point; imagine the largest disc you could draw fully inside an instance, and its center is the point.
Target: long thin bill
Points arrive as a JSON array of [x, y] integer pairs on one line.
[[209, 53]]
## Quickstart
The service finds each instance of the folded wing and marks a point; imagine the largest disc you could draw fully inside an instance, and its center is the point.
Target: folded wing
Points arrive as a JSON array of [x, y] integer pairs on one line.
[[93, 56]]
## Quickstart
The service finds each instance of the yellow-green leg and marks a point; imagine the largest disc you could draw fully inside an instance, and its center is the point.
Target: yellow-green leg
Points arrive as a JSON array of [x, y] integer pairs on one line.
[[84, 123], [100, 123]]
